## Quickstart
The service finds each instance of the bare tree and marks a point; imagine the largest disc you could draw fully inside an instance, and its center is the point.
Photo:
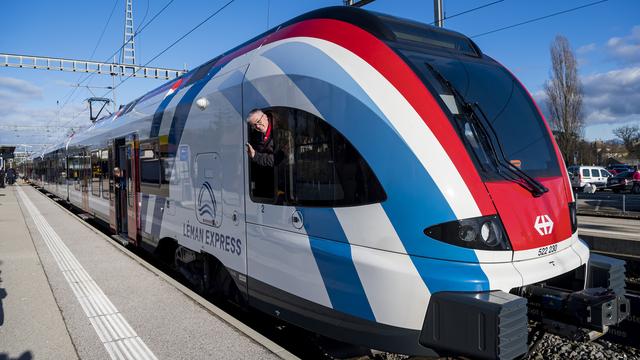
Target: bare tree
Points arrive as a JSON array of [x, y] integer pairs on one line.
[[630, 136], [564, 97]]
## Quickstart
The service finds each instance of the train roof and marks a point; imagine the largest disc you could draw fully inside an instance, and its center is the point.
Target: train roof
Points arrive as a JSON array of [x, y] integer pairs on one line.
[[395, 31]]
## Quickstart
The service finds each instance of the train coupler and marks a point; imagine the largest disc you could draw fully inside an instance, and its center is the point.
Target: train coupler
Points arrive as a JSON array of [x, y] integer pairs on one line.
[[566, 313], [582, 314]]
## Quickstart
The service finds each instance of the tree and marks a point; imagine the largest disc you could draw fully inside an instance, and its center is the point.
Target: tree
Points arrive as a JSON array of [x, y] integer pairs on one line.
[[564, 97], [630, 136]]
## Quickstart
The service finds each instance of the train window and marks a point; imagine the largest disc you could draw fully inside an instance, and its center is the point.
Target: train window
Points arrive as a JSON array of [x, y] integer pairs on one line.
[[313, 165], [74, 170], [96, 173], [155, 166], [104, 168], [149, 164], [85, 171]]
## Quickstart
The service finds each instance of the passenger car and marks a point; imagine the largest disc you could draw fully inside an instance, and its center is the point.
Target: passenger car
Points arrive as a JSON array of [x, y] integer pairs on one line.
[[618, 168], [623, 182], [583, 175]]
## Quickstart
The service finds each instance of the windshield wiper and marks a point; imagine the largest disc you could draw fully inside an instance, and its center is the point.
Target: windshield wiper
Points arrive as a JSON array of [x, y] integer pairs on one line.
[[482, 123]]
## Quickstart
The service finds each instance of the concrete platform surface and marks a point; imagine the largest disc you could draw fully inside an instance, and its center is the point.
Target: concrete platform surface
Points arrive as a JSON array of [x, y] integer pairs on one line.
[[70, 292], [31, 324]]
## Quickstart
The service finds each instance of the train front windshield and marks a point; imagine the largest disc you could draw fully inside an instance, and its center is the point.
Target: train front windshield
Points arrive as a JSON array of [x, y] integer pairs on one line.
[[520, 131]]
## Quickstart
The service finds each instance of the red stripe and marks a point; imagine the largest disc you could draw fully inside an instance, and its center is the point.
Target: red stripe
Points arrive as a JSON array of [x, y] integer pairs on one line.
[[401, 76]]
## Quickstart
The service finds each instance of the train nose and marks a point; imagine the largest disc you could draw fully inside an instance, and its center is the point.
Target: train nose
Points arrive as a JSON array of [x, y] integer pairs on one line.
[[533, 222]]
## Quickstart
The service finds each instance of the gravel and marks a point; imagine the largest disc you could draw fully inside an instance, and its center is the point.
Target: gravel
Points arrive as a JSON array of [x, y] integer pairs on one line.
[[555, 347]]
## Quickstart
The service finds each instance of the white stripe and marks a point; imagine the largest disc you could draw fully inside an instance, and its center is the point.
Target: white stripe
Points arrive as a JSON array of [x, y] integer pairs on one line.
[[135, 343], [146, 349], [397, 294], [87, 307], [148, 222], [403, 117], [284, 259], [103, 334], [389, 279], [109, 327], [113, 352], [378, 232], [124, 350]]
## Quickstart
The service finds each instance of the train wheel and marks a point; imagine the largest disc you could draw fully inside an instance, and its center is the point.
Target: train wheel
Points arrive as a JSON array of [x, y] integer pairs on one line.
[[220, 284]]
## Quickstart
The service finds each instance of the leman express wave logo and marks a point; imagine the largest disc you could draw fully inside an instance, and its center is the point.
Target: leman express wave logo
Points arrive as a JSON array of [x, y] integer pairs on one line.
[[206, 205], [543, 225]]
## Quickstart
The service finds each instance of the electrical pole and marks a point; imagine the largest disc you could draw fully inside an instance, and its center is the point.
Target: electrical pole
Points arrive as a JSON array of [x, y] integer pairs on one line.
[[438, 13], [128, 51], [357, 3]]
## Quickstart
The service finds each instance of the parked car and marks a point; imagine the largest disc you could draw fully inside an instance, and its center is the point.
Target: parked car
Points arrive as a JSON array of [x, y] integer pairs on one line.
[[583, 175], [624, 182], [619, 168]]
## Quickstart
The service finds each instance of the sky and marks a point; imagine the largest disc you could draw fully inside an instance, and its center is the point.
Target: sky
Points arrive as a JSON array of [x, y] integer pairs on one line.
[[41, 107]]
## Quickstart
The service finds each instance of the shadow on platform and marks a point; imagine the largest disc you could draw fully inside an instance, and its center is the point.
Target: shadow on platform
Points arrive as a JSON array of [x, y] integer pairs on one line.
[[24, 356]]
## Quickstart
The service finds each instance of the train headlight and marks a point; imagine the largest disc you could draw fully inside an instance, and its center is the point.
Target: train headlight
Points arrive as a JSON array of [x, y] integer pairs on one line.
[[483, 233]]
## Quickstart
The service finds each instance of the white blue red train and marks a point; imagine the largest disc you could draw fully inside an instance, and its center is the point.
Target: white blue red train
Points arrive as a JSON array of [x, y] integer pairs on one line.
[[418, 203]]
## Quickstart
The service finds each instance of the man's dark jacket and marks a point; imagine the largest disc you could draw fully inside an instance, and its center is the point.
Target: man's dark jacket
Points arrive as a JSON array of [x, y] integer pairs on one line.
[[264, 150]]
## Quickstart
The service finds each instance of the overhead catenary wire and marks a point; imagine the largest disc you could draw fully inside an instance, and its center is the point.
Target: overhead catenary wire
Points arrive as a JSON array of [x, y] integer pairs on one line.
[[175, 42], [141, 28], [539, 18], [468, 11], [104, 29], [137, 33]]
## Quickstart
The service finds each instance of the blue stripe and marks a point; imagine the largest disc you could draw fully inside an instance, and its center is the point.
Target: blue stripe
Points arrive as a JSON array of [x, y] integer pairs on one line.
[[414, 200], [157, 116], [442, 275], [183, 108], [335, 263]]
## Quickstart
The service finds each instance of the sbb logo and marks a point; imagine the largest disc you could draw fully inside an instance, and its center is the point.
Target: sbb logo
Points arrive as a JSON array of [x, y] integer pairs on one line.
[[543, 225]]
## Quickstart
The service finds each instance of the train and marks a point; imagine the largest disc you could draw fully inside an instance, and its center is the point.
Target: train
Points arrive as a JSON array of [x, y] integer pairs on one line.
[[416, 201]]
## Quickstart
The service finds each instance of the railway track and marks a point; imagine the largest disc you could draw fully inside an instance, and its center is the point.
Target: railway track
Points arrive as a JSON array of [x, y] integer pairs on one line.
[[622, 341]]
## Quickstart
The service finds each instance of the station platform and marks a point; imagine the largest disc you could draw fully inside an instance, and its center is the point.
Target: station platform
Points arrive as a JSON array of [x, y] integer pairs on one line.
[[68, 291], [614, 236]]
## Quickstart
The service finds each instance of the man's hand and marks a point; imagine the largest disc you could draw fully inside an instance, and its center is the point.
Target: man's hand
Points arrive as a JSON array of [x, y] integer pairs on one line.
[[250, 151]]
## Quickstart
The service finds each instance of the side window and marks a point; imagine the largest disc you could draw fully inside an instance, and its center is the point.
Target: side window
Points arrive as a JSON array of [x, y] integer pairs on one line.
[[604, 173], [104, 169], [595, 173], [154, 168], [585, 173], [96, 173], [149, 166], [313, 165], [74, 171]]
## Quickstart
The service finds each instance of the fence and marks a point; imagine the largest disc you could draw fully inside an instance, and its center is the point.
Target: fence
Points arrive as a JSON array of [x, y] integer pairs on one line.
[[609, 204]]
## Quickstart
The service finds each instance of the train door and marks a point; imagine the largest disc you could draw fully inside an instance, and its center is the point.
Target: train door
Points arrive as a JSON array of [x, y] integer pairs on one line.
[[120, 187], [126, 188], [280, 251]]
